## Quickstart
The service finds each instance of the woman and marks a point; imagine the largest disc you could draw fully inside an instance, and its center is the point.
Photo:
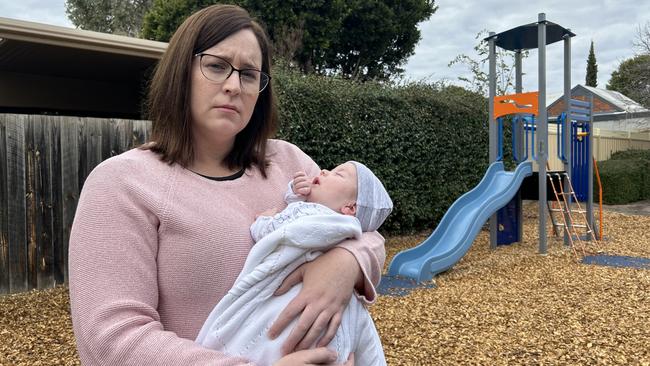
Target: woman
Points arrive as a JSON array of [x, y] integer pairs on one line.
[[161, 233]]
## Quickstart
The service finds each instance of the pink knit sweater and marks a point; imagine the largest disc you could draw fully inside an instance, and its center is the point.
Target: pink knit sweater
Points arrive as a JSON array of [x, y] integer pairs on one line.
[[154, 247]]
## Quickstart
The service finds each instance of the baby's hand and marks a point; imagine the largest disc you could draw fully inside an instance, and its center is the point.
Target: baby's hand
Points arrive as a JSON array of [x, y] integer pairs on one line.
[[301, 184], [269, 212]]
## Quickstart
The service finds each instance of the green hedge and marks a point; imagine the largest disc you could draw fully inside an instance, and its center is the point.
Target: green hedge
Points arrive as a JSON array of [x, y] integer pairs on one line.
[[428, 145], [624, 180], [631, 154]]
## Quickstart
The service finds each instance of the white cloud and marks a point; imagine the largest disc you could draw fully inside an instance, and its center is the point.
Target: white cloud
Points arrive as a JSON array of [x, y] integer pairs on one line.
[[40, 11], [451, 30]]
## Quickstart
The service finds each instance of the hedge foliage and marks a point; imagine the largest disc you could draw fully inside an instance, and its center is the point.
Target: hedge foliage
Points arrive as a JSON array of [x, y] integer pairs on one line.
[[631, 154], [427, 144], [625, 177]]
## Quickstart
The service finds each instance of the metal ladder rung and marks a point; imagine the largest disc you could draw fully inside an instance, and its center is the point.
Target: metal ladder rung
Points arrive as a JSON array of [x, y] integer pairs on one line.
[[569, 227]]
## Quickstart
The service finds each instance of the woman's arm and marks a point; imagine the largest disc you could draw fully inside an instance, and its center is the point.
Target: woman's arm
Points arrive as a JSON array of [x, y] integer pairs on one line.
[[113, 274], [370, 254]]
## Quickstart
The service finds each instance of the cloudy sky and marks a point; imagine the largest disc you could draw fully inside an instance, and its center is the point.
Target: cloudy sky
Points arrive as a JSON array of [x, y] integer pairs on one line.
[[452, 30]]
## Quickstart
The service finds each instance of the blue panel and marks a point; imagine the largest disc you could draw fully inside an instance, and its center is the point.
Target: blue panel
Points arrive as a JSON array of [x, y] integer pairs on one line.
[[578, 110], [580, 161], [461, 223], [618, 261], [579, 103], [399, 286], [508, 223], [578, 117]]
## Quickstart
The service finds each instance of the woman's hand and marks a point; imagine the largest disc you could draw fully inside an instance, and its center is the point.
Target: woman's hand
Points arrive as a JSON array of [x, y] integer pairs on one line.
[[317, 356], [328, 283]]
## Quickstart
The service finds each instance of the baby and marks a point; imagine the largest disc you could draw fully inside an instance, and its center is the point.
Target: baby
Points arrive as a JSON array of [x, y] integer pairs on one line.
[[321, 212], [349, 189]]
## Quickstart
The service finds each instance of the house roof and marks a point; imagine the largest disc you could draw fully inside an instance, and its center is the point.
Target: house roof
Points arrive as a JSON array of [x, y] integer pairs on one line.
[[614, 98], [617, 99], [628, 115], [49, 68]]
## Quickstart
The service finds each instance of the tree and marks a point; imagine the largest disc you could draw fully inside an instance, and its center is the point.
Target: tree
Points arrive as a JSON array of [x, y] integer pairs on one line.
[[122, 17], [642, 39], [162, 19], [632, 79], [592, 68], [479, 81], [377, 37], [354, 39]]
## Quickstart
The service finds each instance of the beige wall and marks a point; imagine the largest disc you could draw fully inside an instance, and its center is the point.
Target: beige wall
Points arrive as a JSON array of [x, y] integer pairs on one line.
[[605, 143]]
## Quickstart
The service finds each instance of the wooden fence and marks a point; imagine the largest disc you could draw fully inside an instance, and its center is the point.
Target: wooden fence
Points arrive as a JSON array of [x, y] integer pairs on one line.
[[44, 161]]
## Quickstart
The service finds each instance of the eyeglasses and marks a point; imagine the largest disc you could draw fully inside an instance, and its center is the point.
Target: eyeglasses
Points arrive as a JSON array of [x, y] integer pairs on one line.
[[217, 69]]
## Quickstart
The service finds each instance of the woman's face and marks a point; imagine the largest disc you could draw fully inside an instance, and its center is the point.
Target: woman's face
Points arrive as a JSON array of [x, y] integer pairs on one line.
[[220, 110]]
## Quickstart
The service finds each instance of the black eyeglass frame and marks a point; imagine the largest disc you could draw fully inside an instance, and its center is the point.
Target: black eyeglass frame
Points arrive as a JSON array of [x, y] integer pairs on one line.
[[232, 69]]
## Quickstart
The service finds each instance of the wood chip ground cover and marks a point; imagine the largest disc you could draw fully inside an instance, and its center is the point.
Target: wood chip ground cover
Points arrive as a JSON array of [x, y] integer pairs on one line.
[[509, 306]]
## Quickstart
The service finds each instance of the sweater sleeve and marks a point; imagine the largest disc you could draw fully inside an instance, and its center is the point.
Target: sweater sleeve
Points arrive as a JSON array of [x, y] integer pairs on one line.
[[369, 251], [113, 274]]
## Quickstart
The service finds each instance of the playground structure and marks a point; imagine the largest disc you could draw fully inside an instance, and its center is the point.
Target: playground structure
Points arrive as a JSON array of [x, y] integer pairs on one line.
[[497, 197]]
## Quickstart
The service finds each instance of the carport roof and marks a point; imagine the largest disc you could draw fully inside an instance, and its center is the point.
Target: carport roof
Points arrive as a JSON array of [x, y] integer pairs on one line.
[[34, 48]]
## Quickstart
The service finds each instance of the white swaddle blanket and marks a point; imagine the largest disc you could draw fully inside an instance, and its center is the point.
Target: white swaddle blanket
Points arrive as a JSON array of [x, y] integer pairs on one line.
[[239, 323]]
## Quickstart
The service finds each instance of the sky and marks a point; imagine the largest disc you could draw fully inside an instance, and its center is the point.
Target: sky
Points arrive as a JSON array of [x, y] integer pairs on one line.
[[452, 30]]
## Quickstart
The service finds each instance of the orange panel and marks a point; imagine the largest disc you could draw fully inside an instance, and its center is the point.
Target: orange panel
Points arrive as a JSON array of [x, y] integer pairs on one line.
[[516, 103]]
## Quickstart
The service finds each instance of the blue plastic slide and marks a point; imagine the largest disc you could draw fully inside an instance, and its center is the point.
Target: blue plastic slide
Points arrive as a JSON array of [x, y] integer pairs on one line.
[[460, 224]]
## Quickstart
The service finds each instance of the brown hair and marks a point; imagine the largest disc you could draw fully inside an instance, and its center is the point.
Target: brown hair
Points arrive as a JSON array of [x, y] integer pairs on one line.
[[169, 93]]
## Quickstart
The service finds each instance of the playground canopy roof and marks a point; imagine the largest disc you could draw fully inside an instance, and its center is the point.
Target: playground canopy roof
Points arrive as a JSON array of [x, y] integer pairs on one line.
[[524, 37]]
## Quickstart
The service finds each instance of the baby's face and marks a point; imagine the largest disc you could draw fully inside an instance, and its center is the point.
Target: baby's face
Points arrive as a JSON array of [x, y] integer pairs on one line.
[[335, 188]]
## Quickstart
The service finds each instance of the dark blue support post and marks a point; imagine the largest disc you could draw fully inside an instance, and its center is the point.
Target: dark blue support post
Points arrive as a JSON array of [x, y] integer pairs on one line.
[[519, 132], [492, 128], [500, 139]]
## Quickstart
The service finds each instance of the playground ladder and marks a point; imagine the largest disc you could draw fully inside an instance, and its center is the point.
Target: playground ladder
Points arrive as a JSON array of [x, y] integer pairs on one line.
[[553, 206], [569, 216]]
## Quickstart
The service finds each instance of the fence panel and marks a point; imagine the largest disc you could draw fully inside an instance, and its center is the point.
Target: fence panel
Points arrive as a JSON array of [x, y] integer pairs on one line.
[[70, 186], [30, 198], [43, 174], [44, 161], [59, 256], [16, 203], [4, 212]]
